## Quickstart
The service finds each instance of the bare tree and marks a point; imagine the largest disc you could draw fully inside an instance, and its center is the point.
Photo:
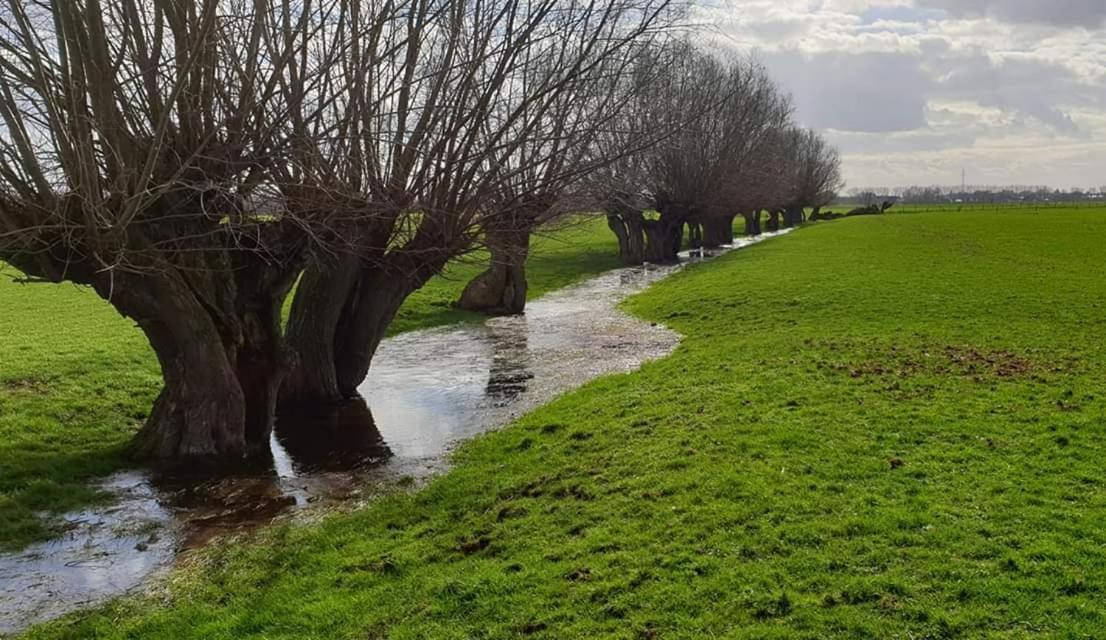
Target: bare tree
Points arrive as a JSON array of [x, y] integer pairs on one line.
[[723, 115], [622, 187], [550, 173], [751, 174], [140, 141], [430, 119], [816, 173]]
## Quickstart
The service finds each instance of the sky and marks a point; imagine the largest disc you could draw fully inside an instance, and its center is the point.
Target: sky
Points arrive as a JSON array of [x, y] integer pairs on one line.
[[914, 91]]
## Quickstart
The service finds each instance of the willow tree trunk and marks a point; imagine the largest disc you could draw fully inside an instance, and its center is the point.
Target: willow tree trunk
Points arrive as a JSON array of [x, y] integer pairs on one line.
[[663, 238], [793, 216], [627, 226], [501, 289], [222, 362], [339, 317], [752, 223], [774, 220], [325, 294], [718, 231], [694, 235], [381, 291]]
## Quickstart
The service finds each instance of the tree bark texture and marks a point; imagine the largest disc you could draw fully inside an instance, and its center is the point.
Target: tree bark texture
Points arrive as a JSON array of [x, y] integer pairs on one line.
[[663, 238], [718, 231], [628, 227], [501, 289], [340, 315], [217, 338]]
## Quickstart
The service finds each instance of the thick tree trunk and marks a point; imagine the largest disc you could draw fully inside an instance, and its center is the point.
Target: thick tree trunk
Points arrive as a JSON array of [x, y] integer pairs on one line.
[[662, 240], [752, 223], [501, 289], [774, 220], [339, 317], [793, 216], [262, 358], [221, 372], [627, 227], [381, 291], [618, 226], [694, 235], [718, 231], [201, 410], [324, 295]]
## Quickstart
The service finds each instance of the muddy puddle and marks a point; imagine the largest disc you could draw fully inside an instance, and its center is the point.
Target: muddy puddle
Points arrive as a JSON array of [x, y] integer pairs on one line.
[[427, 391]]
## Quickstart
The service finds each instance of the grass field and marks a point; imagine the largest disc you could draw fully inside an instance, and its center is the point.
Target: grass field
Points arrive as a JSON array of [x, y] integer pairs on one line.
[[76, 379], [881, 427]]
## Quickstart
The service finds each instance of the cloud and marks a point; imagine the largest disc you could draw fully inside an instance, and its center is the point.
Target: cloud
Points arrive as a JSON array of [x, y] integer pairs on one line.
[[911, 90], [1064, 13], [1024, 86], [866, 92]]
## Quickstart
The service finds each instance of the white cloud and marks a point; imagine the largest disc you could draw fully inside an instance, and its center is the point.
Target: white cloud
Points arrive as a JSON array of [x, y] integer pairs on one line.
[[911, 90]]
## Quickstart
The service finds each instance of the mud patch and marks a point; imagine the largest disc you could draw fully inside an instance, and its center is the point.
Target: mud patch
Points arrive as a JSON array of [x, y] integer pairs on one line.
[[945, 361], [35, 386]]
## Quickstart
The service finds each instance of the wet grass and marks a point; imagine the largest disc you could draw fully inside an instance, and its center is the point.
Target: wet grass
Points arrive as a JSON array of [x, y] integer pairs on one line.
[[573, 250], [882, 427], [76, 379]]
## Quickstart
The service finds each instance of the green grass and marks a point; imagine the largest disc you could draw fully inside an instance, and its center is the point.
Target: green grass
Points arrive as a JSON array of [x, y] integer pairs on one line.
[[881, 427], [76, 379], [560, 256]]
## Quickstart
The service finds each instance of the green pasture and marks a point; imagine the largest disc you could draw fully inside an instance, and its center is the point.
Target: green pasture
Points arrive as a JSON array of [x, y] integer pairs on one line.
[[878, 427]]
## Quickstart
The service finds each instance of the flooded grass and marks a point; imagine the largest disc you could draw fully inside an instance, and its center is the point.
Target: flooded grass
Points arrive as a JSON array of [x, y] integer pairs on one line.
[[430, 390], [76, 379], [749, 485]]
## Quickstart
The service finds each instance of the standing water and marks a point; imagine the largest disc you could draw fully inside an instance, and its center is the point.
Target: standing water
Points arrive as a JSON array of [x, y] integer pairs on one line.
[[428, 390]]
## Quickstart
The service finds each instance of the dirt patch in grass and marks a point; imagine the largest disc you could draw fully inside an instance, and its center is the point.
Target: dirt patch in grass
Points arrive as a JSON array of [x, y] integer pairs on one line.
[[954, 361], [25, 385]]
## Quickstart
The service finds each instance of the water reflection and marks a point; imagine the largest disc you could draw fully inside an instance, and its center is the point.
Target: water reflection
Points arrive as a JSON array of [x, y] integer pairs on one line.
[[509, 374], [344, 438], [102, 553]]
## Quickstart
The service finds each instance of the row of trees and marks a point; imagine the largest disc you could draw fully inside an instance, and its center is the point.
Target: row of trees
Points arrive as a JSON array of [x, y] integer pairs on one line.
[[735, 150], [196, 162]]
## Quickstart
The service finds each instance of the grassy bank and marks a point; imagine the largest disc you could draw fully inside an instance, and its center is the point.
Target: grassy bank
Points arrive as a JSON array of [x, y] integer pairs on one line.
[[882, 427], [76, 379]]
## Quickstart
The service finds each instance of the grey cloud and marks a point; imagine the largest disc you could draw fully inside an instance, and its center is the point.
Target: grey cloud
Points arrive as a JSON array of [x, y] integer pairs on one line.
[[1025, 87], [1064, 13], [900, 142], [866, 92]]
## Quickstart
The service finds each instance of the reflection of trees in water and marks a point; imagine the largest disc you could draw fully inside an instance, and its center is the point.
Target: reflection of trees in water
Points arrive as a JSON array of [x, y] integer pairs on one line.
[[636, 276], [509, 373], [342, 438], [631, 276], [214, 504]]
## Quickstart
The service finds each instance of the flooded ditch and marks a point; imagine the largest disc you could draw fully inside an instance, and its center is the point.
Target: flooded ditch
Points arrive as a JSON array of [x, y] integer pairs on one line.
[[427, 391]]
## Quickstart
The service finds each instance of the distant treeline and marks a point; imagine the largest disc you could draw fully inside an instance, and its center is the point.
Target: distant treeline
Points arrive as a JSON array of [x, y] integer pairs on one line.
[[973, 195]]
